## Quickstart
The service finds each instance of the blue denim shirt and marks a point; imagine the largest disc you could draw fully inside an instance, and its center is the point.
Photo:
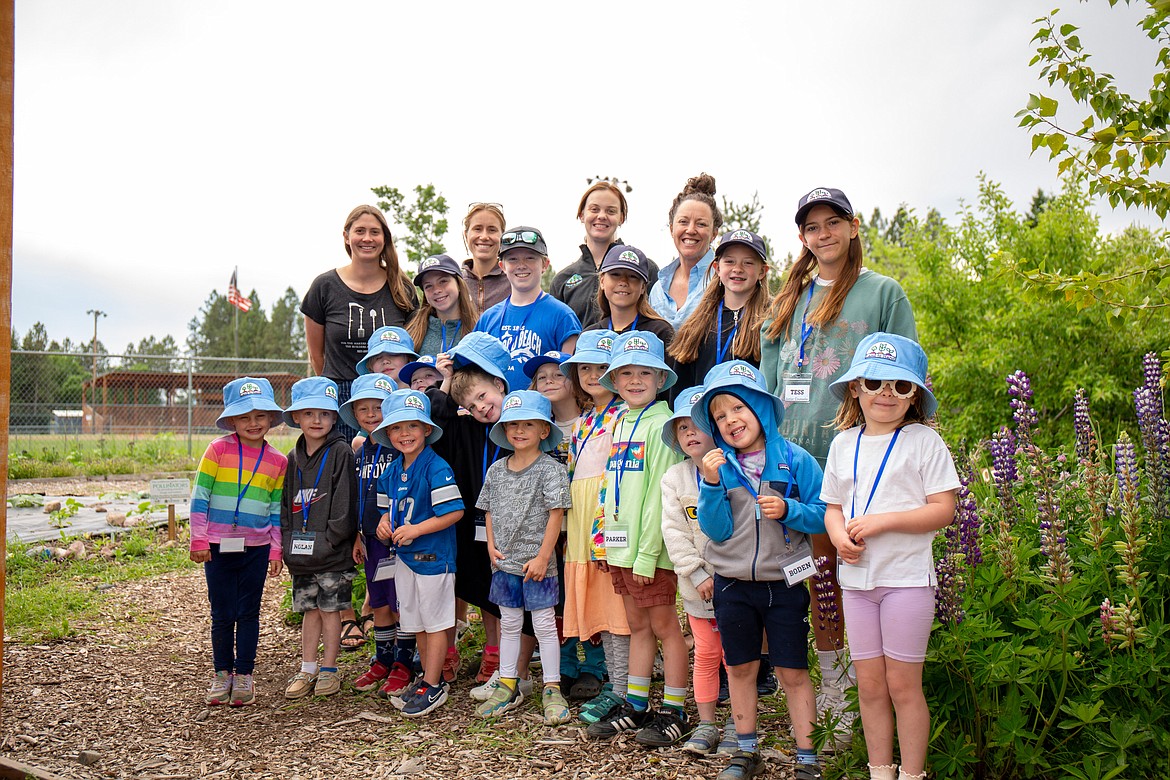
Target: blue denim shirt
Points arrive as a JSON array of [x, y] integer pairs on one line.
[[666, 306]]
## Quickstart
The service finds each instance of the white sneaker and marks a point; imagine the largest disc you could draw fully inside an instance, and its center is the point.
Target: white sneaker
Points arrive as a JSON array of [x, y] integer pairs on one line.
[[834, 702], [485, 691]]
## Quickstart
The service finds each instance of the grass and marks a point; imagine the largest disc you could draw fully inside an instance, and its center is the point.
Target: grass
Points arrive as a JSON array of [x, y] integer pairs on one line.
[[44, 598]]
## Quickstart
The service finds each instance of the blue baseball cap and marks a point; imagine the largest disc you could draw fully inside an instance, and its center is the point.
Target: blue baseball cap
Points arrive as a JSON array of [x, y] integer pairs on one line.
[[374, 387], [827, 196], [314, 392], [243, 395], [888, 356], [682, 409], [444, 263], [593, 347], [387, 340], [407, 372], [403, 406], [623, 257], [484, 351], [552, 356], [741, 379], [526, 405], [747, 238], [638, 348]]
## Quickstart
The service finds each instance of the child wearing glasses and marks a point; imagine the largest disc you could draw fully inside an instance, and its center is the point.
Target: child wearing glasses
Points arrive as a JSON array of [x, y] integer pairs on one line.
[[529, 321], [889, 486]]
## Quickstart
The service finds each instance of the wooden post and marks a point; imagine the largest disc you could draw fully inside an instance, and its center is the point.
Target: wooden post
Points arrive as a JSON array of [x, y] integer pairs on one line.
[[7, 46], [171, 523]]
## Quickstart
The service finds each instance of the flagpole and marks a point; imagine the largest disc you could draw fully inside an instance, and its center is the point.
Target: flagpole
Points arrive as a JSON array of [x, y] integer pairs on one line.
[[237, 325]]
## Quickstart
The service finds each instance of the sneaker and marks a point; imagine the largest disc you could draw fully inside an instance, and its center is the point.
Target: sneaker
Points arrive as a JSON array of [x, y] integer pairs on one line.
[[220, 691], [397, 681], [243, 690], [625, 718], [601, 707], [729, 745], [328, 683], [587, 686], [667, 727], [484, 692], [489, 666], [300, 685], [500, 701], [425, 700], [807, 772], [451, 665], [703, 740], [556, 709], [766, 682], [400, 701], [744, 764], [843, 719], [372, 678]]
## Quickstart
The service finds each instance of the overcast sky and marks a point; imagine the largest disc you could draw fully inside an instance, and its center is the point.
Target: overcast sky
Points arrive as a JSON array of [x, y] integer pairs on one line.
[[159, 143]]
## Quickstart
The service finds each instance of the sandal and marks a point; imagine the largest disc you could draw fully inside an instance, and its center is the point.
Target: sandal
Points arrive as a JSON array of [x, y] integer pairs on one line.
[[353, 635]]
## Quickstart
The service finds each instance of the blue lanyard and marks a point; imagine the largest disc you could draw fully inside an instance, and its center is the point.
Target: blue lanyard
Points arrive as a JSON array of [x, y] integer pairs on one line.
[[622, 458], [633, 325], [495, 455], [743, 480], [806, 330], [876, 480], [240, 473], [306, 502], [721, 350], [365, 483], [524, 322], [443, 335]]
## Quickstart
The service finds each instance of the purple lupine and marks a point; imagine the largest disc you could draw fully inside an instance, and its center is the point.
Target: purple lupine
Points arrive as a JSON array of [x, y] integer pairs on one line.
[[948, 593], [1125, 469], [1082, 425], [825, 595], [1053, 541], [1020, 389], [1108, 623], [1152, 372], [1003, 458], [968, 524], [1130, 548]]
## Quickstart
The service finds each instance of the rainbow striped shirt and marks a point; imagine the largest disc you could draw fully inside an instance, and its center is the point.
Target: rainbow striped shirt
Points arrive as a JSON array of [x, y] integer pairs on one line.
[[218, 483]]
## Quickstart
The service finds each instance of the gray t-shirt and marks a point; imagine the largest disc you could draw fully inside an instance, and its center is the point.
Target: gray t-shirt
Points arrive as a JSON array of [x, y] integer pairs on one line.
[[520, 502]]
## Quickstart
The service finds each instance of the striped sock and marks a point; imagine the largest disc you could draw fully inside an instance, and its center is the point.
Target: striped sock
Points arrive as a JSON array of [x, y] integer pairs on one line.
[[804, 756], [384, 637], [404, 649], [748, 742], [674, 698], [638, 693]]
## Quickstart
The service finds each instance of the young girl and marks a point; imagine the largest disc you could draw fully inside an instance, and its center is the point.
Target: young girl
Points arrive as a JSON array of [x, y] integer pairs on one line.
[[447, 313], [684, 542], [591, 605], [827, 304], [726, 323], [889, 486], [622, 300]]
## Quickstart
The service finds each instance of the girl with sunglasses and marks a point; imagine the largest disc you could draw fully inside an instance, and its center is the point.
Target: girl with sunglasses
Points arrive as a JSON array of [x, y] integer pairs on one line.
[[828, 303], [889, 486]]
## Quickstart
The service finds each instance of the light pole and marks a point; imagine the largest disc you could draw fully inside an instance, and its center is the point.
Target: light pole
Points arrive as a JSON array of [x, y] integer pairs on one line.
[[93, 388]]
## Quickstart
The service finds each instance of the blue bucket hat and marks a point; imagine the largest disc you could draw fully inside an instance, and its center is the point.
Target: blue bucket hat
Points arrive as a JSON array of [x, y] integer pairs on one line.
[[387, 340], [682, 409], [484, 351], [637, 348], [374, 387], [593, 346], [888, 356], [314, 392], [402, 406], [526, 405], [406, 373], [243, 395], [552, 356], [739, 379]]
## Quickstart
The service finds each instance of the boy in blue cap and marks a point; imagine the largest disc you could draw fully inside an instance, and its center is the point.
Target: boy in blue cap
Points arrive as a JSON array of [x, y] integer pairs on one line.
[[318, 524], [758, 502]]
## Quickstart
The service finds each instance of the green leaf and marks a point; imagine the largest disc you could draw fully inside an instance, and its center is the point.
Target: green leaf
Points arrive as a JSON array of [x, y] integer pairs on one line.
[[1067, 29], [1056, 143], [1047, 106]]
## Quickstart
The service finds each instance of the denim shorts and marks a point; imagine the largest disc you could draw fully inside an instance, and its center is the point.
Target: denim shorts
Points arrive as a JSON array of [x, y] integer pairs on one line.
[[510, 590], [746, 610], [328, 591]]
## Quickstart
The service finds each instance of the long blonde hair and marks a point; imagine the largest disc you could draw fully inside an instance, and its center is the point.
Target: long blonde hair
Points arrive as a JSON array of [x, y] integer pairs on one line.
[[401, 288], [420, 320], [698, 327]]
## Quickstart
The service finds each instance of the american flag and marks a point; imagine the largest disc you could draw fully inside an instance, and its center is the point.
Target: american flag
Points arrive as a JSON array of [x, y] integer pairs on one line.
[[234, 298]]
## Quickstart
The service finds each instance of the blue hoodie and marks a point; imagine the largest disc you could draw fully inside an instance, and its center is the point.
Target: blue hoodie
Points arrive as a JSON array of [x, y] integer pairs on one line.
[[745, 545]]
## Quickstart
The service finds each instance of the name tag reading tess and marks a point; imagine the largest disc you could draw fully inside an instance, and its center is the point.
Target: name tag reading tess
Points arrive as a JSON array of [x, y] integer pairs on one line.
[[231, 544], [302, 544], [797, 388], [798, 565]]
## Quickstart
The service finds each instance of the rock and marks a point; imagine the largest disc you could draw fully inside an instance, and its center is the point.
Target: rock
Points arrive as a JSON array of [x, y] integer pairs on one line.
[[60, 553], [132, 522], [117, 519], [168, 544], [99, 508], [88, 758], [76, 550], [51, 506], [108, 552], [202, 716]]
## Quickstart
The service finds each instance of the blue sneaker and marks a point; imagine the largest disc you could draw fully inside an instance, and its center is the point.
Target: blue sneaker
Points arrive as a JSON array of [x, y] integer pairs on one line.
[[426, 699]]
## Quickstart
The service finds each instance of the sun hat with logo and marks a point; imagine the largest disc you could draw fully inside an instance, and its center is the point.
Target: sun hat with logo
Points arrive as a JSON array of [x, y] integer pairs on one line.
[[243, 395], [406, 373], [404, 406], [485, 352], [823, 195], [374, 387], [526, 405], [387, 340], [637, 348], [738, 378], [888, 356], [593, 347], [552, 356], [314, 392], [682, 410]]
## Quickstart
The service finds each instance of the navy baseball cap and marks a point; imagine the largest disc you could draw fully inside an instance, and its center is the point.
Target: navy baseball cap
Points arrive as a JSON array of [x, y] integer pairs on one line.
[[523, 237], [823, 195], [622, 257], [746, 237], [444, 263]]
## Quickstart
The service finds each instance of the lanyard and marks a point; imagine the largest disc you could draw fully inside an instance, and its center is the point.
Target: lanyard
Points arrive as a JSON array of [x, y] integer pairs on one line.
[[495, 455], [306, 501], [240, 474], [876, 480], [721, 350], [743, 480], [401, 470], [443, 335], [524, 322], [806, 330], [622, 458], [365, 484], [633, 325]]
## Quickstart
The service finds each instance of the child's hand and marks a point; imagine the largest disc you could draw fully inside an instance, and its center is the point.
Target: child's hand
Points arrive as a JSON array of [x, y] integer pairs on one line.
[[773, 507], [274, 568], [201, 556], [535, 568], [359, 550], [707, 589], [711, 463], [383, 531], [849, 551], [357, 443], [603, 565], [406, 534], [445, 365], [494, 554], [861, 528], [640, 580]]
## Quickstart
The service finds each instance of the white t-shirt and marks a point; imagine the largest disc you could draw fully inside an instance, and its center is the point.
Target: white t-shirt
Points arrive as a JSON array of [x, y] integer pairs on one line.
[[919, 465]]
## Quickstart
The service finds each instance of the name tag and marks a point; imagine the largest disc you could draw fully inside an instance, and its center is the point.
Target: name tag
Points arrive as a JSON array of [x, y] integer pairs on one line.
[[385, 570], [852, 575], [231, 544], [302, 544], [798, 565], [480, 527], [617, 537], [797, 388]]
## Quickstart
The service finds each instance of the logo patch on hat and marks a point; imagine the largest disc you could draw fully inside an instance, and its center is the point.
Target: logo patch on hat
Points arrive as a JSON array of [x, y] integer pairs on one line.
[[628, 257], [249, 388], [636, 343], [428, 359], [819, 192], [744, 371], [695, 398], [430, 262], [553, 354], [739, 235], [389, 336], [331, 392], [882, 350], [513, 402], [414, 402], [605, 344], [383, 384]]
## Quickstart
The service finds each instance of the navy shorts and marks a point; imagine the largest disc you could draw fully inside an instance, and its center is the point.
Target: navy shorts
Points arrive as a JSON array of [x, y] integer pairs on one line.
[[745, 610], [382, 592], [510, 590]]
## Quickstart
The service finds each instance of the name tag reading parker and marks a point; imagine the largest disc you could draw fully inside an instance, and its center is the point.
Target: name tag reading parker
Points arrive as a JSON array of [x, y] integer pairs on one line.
[[617, 537], [302, 543]]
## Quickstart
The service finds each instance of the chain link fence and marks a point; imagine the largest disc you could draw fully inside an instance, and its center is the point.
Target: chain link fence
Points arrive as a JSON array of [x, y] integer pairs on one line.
[[68, 399]]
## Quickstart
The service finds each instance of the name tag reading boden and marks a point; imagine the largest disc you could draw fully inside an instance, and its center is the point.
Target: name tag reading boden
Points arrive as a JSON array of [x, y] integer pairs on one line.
[[231, 544], [302, 544], [385, 570], [798, 565]]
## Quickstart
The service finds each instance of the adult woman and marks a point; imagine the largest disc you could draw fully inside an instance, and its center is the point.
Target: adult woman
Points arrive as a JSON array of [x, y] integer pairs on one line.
[[694, 221], [828, 303], [602, 211], [482, 228]]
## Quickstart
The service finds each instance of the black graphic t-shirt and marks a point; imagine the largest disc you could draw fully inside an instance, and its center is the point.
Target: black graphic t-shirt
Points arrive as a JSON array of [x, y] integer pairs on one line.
[[349, 318]]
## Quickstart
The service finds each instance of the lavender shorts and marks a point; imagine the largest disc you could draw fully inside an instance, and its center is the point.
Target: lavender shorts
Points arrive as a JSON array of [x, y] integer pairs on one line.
[[891, 622]]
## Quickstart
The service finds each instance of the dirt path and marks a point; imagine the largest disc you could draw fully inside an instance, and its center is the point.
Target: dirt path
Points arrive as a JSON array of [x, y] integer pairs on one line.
[[129, 689]]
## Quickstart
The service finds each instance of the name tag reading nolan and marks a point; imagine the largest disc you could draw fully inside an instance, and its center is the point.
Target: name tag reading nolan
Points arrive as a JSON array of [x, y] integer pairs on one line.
[[302, 544]]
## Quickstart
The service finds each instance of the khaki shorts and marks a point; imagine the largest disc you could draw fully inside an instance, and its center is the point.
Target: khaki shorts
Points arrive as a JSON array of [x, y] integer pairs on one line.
[[661, 592]]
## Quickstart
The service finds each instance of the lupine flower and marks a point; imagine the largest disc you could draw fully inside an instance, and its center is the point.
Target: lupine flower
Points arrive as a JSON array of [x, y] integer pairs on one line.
[[826, 595], [1020, 389], [1108, 624], [1003, 460], [1152, 372], [1053, 542], [1082, 425], [948, 601], [1125, 468], [1130, 548], [968, 524]]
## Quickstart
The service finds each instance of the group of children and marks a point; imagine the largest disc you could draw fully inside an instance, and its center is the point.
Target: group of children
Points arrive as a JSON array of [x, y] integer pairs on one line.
[[588, 494]]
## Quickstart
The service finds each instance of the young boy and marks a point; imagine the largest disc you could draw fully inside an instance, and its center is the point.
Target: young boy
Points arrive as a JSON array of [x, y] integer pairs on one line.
[[525, 498], [421, 374], [529, 322], [235, 532], [758, 501], [420, 503], [387, 351], [317, 527], [639, 566]]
